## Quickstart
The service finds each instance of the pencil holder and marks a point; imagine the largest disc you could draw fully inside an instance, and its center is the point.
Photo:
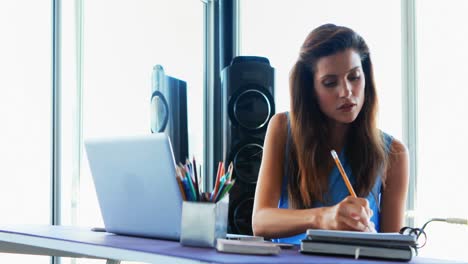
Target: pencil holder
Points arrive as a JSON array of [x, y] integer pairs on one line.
[[203, 222]]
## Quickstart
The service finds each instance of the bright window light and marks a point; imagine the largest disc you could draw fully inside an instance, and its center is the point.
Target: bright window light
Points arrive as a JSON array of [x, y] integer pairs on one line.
[[25, 115], [442, 129]]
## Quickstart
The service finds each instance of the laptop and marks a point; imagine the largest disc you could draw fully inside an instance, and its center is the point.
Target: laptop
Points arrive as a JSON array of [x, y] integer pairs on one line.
[[136, 187]]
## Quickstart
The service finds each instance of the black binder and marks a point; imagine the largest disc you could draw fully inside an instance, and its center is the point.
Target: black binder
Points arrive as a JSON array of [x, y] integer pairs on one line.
[[392, 246]]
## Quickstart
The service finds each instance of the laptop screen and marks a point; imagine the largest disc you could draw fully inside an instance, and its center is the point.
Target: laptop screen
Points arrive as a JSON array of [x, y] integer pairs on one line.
[[135, 183]]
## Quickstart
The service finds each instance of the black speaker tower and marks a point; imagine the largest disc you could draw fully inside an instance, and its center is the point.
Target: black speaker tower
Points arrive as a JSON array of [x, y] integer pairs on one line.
[[247, 107]]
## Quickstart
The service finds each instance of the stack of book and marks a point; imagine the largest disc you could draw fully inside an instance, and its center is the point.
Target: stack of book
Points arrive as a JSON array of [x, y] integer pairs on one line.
[[394, 246]]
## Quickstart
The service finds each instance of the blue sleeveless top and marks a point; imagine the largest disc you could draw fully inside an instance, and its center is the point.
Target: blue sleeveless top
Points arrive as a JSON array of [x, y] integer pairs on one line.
[[337, 190]]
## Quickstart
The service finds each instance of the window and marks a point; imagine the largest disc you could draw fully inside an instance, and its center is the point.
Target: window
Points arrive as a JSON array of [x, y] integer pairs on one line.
[[119, 53], [25, 115], [442, 129], [108, 92], [277, 29]]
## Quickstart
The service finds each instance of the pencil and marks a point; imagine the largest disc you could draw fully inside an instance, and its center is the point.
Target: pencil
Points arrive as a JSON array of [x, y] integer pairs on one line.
[[222, 168], [181, 188], [191, 185], [230, 168], [345, 177], [195, 174], [222, 185], [343, 173], [226, 189], [218, 178], [201, 182]]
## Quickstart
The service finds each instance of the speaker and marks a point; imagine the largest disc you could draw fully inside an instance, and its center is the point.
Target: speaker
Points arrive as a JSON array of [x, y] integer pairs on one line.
[[247, 107], [169, 110]]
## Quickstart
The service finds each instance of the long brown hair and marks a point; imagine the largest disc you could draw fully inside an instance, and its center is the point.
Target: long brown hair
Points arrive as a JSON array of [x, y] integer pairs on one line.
[[310, 160]]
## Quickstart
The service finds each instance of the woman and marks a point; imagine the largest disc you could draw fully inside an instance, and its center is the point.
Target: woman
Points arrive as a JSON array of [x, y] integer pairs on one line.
[[333, 107]]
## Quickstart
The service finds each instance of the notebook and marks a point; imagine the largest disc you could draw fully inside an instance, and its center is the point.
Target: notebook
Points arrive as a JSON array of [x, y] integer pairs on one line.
[[393, 246], [136, 187], [357, 251], [361, 237]]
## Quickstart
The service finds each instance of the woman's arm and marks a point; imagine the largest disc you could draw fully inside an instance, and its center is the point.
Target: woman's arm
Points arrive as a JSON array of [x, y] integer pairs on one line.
[[395, 190], [270, 221]]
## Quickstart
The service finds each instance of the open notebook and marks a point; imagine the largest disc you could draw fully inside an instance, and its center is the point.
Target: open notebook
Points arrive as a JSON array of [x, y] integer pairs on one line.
[[359, 244]]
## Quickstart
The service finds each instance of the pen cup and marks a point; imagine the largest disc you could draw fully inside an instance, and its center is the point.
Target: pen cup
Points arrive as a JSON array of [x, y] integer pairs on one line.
[[203, 222]]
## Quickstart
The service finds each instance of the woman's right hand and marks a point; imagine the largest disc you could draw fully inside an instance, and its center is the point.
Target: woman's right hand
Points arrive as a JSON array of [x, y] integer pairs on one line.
[[350, 214]]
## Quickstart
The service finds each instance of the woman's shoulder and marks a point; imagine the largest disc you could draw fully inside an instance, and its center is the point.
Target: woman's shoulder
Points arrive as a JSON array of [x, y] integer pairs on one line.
[[280, 120], [398, 147], [393, 144], [398, 165], [278, 126]]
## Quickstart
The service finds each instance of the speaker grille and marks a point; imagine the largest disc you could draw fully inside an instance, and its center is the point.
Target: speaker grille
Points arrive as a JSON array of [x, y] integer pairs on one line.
[[243, 216], [247, 162], [252, 109]]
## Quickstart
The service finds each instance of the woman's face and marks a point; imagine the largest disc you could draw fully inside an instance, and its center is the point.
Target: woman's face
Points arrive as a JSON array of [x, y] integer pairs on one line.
[[339, 84]]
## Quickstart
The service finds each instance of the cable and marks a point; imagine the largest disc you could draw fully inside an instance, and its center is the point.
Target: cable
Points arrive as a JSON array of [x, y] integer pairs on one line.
[[420, 231], [459, 221]]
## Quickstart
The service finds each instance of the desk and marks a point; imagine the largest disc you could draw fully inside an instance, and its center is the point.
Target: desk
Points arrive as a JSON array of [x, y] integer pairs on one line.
[[67, 241]]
